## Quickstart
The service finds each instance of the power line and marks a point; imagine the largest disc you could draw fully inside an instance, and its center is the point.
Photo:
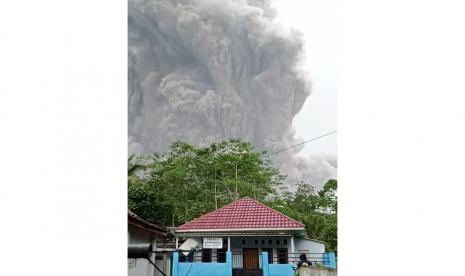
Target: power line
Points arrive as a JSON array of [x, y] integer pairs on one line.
[[313, 139]]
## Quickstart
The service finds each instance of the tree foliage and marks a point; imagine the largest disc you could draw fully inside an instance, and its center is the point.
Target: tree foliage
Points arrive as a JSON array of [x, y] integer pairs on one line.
[[317, 210], [189, 181]]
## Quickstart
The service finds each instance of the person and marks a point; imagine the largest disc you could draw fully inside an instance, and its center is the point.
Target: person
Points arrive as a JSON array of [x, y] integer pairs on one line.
[[303, 260]]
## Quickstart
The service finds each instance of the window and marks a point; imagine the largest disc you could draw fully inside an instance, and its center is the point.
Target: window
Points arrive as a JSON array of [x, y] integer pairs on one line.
[[270, 242], [270, 254], [206, 256], [285, 242], [256, 242], [282, 255], [243, 241], [277, 241], [263, 242], [221, 255]]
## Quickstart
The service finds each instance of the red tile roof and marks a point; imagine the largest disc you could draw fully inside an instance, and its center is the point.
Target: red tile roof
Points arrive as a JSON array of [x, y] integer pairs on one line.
[[244, 213]]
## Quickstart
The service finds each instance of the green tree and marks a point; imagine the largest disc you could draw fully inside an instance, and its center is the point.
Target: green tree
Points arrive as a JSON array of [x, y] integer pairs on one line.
[[322, 220], [189, 181], [317, 210]]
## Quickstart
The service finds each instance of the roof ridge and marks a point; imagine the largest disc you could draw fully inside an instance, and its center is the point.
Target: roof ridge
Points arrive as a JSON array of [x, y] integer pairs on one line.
[[279, 213]]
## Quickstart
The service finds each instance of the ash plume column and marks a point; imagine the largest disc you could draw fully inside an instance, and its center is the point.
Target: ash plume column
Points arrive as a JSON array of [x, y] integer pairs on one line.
[[201, 71]]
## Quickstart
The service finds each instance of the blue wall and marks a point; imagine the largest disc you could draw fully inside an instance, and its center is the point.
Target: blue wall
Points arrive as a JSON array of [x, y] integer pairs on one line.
[[225, 269], [202, 269], [275, 269], [281, 270], [330, 260], [286, 269]]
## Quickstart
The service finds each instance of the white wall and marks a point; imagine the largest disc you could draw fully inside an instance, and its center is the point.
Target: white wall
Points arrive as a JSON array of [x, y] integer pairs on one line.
[[236, 242], [308, 246]]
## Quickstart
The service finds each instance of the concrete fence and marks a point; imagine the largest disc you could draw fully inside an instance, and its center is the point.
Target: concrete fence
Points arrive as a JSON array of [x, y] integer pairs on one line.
[[225, 269], [202, 269], [287, 270]]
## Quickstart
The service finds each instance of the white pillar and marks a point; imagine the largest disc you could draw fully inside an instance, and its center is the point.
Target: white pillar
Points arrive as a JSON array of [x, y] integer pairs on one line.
[[152, 256], [292, 244], [177, 243], [229, 243]]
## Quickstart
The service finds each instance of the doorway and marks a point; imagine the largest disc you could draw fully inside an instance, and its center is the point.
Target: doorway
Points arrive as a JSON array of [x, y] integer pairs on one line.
[[250, 258]]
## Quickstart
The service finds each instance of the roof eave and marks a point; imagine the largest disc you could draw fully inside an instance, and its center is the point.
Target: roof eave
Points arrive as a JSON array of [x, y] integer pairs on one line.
[[313, 240], [137, 221], [238, 230]]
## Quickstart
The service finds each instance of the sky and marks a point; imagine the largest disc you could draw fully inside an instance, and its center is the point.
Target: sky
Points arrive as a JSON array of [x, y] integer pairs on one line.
[[319, 22], [217, 84]]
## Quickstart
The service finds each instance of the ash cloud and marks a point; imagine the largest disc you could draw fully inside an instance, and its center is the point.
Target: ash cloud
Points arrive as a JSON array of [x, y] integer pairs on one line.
[[201, 71]]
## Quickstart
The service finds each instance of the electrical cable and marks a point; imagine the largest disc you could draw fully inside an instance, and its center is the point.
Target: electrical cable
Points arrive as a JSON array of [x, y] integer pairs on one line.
[[313, 139], [162, 273], [192, 263], [190, 269]]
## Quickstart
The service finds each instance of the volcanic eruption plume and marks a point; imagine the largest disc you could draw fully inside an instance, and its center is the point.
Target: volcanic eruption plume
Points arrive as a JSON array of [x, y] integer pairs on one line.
[[202, 71]]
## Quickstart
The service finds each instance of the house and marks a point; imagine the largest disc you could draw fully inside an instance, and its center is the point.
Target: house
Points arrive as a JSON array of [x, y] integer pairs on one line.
[[141, 232], [244, 238]]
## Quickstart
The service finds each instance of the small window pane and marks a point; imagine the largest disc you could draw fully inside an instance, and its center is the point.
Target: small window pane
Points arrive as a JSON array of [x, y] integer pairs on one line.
[[282, 255], [221, 257], [206, 256]]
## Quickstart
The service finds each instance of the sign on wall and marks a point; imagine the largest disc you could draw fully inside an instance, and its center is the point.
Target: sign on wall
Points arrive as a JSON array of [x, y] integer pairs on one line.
[[212, 242]]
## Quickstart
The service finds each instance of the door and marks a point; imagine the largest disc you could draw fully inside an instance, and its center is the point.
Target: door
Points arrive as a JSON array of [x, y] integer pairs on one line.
[[250, 258]]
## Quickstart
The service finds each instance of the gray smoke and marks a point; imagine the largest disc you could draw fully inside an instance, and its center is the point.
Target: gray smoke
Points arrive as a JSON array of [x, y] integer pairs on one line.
[[201, 71]]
